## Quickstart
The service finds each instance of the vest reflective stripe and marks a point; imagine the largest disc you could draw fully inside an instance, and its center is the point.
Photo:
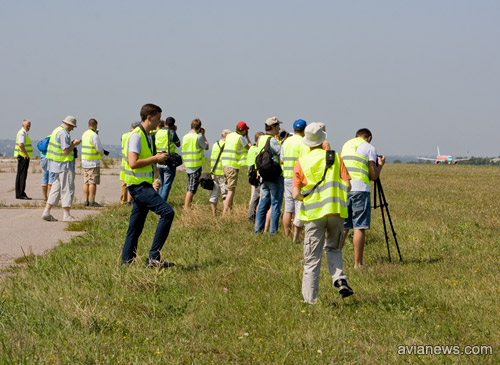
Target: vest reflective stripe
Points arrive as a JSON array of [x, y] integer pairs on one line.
[[54, 151], [356, 165], [163, 136], [190, 148], [142, 174], [293, 148], [252, 155], [124, 158], [89, 151], [232, 156], [27, 145], [330, 197], [213, 157]]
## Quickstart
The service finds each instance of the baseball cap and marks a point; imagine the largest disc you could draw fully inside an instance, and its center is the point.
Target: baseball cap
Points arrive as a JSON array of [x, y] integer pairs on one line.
[[272, 121], [242, 126], [299, 124]]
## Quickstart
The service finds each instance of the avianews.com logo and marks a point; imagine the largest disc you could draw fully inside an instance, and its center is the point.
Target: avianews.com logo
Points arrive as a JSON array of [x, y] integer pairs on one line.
[[444, 350]]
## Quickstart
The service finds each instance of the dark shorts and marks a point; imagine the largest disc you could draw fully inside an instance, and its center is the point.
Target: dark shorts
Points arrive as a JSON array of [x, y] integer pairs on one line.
[[193, 180], [359, 209]]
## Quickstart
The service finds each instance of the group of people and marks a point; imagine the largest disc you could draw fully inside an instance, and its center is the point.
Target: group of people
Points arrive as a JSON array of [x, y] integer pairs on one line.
[[57, 161], [326, 194]]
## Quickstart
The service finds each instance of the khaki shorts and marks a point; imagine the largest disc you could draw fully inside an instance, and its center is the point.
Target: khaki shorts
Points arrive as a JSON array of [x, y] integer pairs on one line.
[[92, 176], [230, 177]]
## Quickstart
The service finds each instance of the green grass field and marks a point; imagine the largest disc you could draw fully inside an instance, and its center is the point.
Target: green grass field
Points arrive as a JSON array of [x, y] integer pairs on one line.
[[235, 297]]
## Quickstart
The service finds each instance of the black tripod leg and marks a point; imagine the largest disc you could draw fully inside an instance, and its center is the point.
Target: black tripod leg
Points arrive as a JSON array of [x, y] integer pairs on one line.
[[390, 221], [383, 206]]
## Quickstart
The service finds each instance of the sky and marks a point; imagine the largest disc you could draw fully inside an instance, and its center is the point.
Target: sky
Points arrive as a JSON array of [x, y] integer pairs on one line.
[[418, 74]]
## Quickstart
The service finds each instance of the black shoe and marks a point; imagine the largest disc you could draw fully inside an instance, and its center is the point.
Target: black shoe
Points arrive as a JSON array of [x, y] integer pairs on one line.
[[158, 263], [94, 204], [344, 289], [24, 198], [86, 204]]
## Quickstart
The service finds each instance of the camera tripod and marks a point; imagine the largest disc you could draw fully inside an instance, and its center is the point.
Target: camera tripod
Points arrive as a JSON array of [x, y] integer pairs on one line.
[[378, 190]]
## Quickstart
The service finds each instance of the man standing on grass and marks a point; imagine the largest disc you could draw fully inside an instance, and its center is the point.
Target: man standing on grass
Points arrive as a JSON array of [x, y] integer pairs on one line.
[[23, 152], [61, 161], [321, 182], [271, 191], [233, 157], [292, 149], [139, 177], [167, 141], [363, 164], [193, 145], [216, 165], [92, 152]]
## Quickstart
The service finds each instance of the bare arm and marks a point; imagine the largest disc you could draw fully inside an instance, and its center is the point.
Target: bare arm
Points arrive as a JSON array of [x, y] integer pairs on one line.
[[374, 169], [72, 146], [296, 194]]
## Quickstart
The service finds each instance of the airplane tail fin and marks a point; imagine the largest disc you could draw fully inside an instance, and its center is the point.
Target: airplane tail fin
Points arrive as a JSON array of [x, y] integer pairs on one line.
[[439, 153]]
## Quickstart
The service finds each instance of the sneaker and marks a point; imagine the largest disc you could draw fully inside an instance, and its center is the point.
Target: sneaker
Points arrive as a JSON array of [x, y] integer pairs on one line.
[[158, 263], [344, 289], [69, 218], [95, 204], [86, 204], [49, 218]]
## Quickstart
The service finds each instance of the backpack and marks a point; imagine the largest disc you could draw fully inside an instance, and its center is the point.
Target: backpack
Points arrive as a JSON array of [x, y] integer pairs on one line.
[[43, 145], [268, 168], [253, 178]]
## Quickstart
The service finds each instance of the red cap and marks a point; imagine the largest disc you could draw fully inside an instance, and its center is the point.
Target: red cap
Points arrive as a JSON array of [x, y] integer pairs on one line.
[[242, 126]]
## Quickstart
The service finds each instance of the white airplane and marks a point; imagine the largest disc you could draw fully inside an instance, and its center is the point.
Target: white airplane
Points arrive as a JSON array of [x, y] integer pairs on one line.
[[444, 159]]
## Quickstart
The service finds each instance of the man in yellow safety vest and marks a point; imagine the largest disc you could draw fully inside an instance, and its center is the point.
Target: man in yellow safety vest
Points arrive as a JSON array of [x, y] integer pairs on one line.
[[363, 164], [321, 182], [23, 152], [92, 152]]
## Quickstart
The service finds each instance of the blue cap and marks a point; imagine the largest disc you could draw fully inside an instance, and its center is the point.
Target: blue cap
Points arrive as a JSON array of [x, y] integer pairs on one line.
[[299, 124]]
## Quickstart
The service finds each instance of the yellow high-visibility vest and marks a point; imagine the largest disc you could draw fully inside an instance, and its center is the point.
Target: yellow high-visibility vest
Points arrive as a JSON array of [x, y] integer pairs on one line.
[[124, 157], [216, 147], [329, 197], [54, 151], [163, 141], [89, 151], [142, 174], [293, 148], [356, 165], [27, 145], [233, 155], [252, 155], [192, 155]]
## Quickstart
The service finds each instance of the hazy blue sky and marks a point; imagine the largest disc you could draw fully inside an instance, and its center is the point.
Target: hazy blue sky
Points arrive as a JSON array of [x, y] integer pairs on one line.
[[417, 73]]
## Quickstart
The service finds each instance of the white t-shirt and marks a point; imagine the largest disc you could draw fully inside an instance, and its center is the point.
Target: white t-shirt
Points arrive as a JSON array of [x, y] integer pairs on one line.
[[21, 136], [367, 151], [90, 164]]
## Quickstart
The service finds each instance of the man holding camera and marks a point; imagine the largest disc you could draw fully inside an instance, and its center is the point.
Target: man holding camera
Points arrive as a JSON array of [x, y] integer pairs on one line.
[[233, 157], [139, 175], [92, 152], [193, 145], [167, 141], [363, 164]]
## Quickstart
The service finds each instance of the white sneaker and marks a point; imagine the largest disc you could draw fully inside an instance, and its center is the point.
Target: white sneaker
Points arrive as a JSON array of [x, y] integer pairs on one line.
[[69, 218]]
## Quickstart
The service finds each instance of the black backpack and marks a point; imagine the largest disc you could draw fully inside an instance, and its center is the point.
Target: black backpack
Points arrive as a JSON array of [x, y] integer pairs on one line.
[[269, 169]]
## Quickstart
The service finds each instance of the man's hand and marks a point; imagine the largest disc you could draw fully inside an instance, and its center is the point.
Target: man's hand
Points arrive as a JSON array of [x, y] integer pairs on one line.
[[381, 160], [76, 142], [160, 157]]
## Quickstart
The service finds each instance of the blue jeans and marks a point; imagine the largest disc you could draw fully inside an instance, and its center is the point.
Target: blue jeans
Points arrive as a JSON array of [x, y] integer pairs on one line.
[[167, 176], [271, 195], [146, 199]]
